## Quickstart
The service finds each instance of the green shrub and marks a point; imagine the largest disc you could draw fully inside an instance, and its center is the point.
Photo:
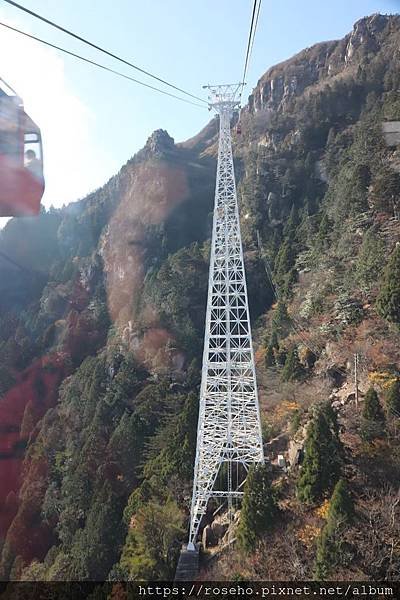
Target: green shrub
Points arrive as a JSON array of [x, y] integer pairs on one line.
[[259, 510], [322, 457], [393, 399], [330, 545], [293, 369], [373, 418], [388, 301]]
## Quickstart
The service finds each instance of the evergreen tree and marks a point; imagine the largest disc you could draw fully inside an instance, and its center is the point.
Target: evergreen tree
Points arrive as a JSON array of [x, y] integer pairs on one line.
[[289, 230], [269, 356], [280, 323], [386, 189], [341, 506], [331, 417], [153, 542], [372, 410], [284, 260], [330, 541], [369, 260], [172, 449], [322, 458], [393, 399], [280, 357], [373, 418], [326, 555], [293, 368], [274, 339], [259, 508], [388, 302], [325, 228], [272, 345]]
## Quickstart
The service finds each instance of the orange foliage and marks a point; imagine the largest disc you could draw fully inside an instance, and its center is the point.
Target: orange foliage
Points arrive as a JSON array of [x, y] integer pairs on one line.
[[322, 511], [260, 355], [285, 407], [384, 379], [308, 534]]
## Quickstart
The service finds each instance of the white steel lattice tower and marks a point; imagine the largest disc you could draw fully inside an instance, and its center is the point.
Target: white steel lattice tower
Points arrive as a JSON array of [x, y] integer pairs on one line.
[[229, 430]]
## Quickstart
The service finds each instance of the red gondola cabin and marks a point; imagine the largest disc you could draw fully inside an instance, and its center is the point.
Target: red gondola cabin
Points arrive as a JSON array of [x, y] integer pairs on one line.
[[21, 160]]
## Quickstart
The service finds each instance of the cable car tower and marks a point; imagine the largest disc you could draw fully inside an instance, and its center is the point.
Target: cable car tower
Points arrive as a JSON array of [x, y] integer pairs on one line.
[[229, 430]]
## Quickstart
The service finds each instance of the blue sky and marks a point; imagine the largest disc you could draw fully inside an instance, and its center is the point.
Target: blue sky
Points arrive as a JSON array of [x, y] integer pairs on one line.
[[93, 122]]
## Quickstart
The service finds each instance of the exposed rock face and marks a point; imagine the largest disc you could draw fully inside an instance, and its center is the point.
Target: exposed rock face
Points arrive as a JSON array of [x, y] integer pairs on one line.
[[159, 143], [158, 184], [155, 190], [295, 452], [365, 33], [207, 538], [291, 78]]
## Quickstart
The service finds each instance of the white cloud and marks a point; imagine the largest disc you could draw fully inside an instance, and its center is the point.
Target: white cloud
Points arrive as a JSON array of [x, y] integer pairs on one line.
[[73, 162]]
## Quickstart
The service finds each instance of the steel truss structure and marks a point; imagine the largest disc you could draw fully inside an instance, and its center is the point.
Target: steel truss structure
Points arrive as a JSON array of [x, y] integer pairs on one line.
[[229, 429]]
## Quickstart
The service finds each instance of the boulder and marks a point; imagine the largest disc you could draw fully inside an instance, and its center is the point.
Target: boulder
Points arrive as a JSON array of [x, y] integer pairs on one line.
[[218, 530], [281, 461], [295, 452], [207, 539]]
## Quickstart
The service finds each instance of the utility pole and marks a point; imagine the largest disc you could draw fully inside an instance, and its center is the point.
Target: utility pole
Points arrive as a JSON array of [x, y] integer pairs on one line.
[[229, 436], [356, 378]]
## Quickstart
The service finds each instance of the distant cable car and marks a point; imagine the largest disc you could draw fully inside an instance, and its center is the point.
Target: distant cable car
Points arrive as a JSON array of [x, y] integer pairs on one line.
[[21, 158], [239, 128]]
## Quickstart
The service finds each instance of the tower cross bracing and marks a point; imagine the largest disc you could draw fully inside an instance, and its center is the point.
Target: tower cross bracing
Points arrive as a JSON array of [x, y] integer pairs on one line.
[[229, 429]]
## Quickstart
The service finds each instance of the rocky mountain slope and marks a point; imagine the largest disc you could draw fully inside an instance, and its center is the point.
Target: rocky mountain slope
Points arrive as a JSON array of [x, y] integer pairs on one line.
[[101, 324]]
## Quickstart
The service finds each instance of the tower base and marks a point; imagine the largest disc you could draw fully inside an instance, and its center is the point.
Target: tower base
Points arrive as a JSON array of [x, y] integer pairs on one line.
[[188, 564]]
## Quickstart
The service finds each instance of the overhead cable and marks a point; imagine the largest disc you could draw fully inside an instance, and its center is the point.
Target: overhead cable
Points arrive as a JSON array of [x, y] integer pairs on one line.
[[100, 49], [100, 66], [250, 40]]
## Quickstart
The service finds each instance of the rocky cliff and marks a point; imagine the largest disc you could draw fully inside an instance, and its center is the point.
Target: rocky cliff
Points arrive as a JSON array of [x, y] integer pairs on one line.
[[321, 64]]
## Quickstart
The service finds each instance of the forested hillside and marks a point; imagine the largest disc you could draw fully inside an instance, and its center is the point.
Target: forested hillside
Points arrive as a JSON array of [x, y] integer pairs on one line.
[[102, 311]]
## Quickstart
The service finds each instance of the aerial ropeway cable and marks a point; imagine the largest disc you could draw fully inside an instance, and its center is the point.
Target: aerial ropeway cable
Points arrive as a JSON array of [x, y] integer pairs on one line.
[[103, 50], [100, 66], [250, 40], [21, 155]]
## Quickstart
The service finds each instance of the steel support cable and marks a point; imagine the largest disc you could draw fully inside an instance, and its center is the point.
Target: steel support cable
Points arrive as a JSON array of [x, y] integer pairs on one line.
[[9, 86], [13, 262], [100, 66], [103, 50], [254, 35], [250, 41]]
